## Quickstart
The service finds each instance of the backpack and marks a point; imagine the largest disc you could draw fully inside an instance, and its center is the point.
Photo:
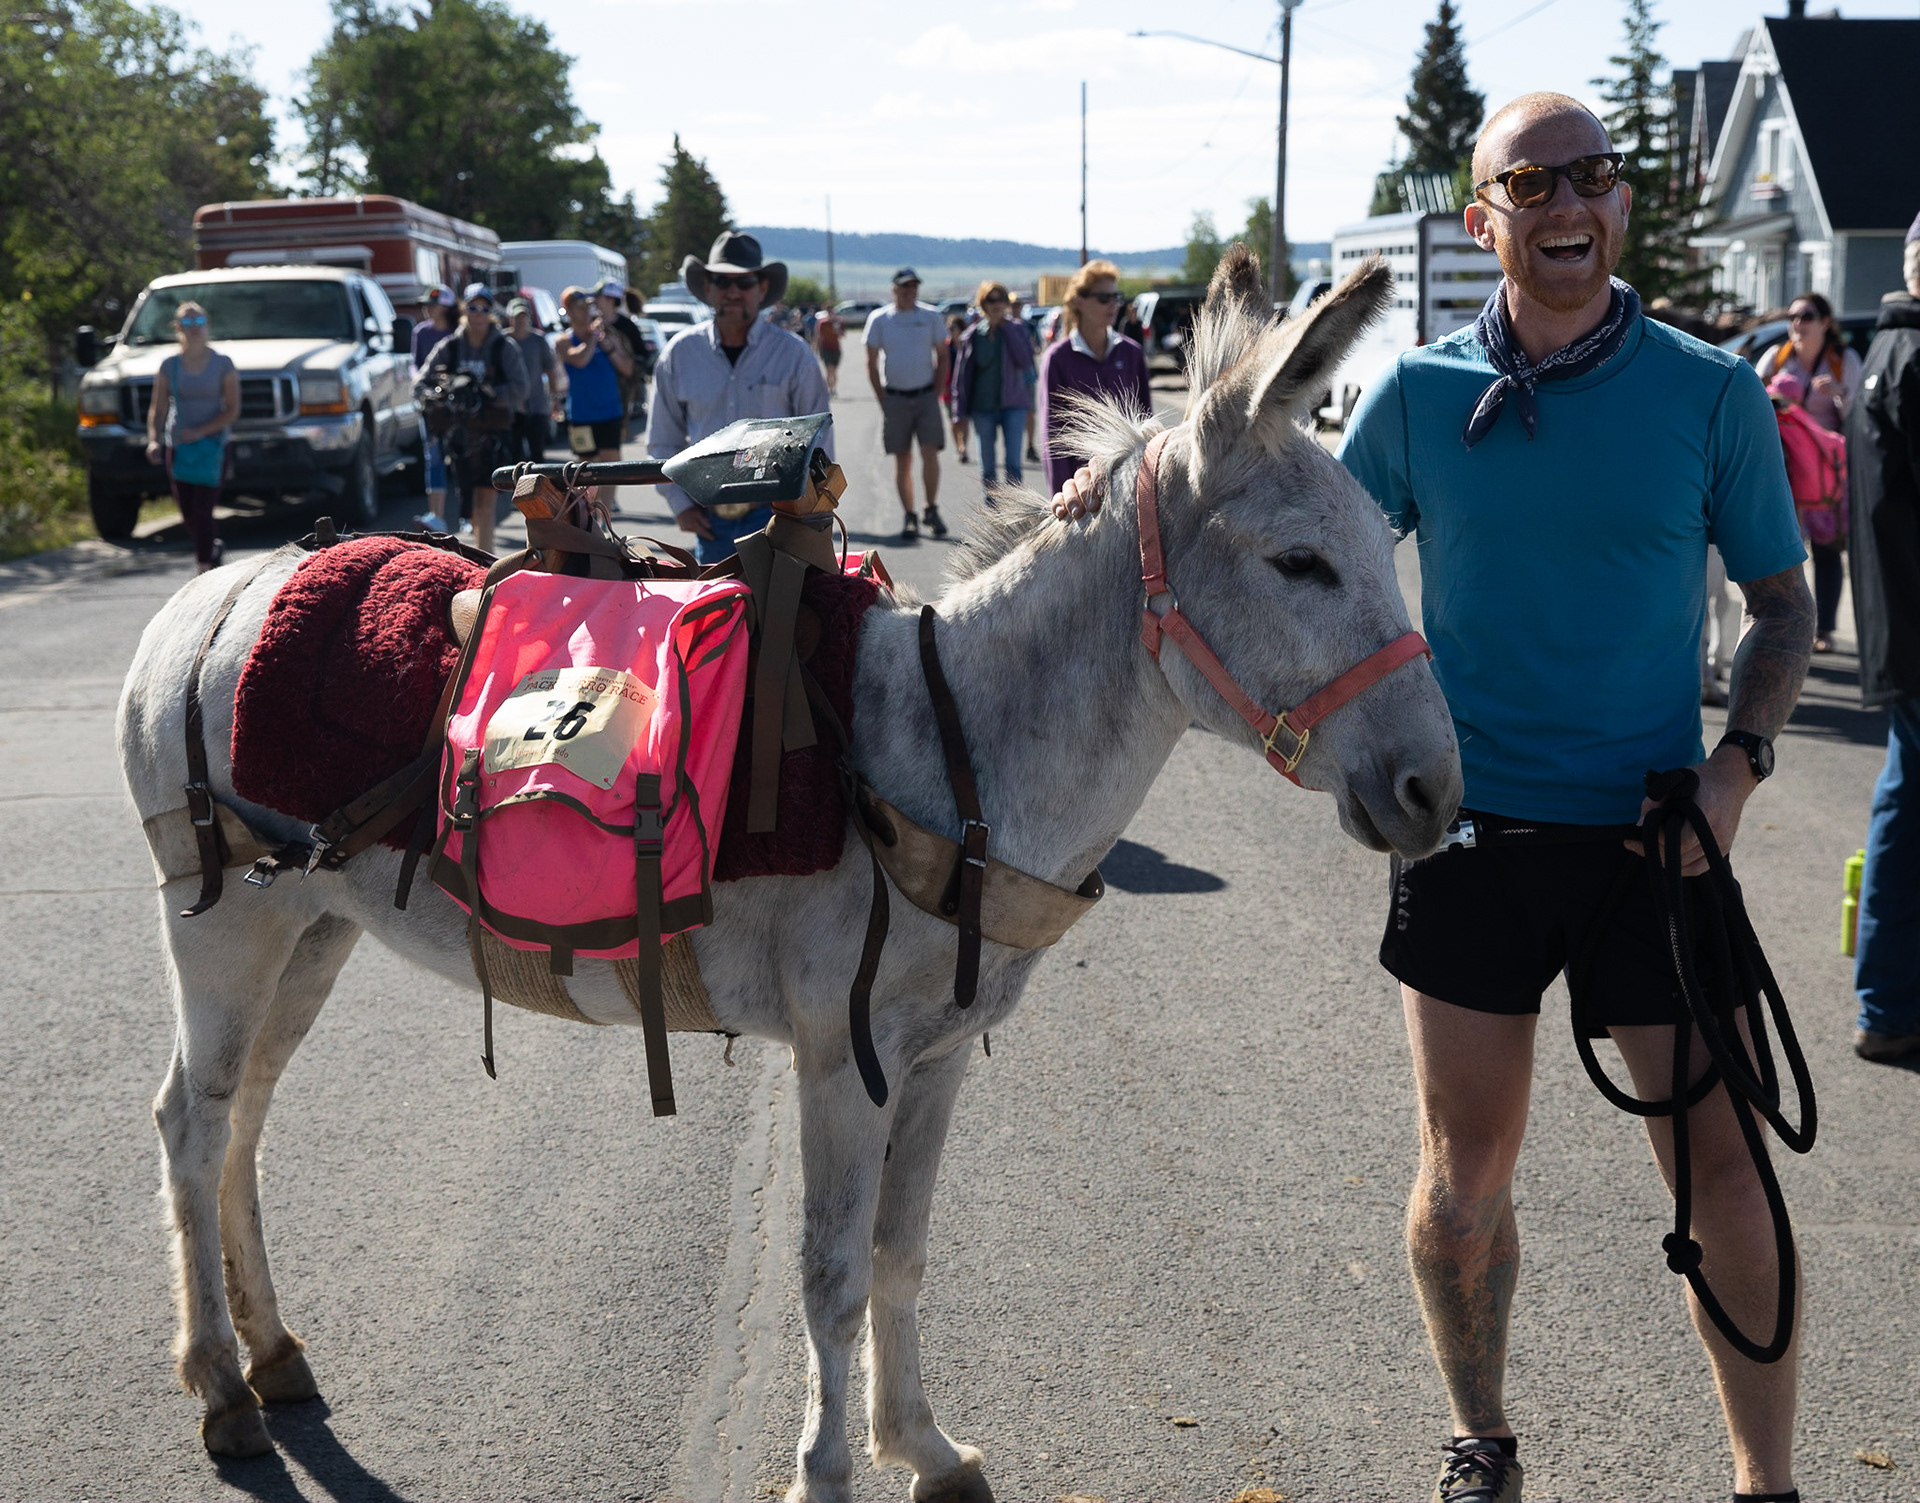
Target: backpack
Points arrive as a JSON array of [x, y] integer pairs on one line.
[[1817, 474]]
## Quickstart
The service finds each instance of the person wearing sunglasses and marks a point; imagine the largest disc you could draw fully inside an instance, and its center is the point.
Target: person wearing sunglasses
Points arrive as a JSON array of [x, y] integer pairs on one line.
[[990, 387], [480, 444], [1092, 359], [1564, 463], [735, 365], [196, 399], [1827, 374]]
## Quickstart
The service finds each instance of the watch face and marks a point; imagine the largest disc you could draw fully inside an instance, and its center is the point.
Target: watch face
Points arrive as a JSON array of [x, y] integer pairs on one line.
[[1763, 758]]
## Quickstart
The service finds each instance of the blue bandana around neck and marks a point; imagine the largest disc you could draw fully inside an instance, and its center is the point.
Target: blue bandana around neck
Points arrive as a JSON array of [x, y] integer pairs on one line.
[[1518, 375]]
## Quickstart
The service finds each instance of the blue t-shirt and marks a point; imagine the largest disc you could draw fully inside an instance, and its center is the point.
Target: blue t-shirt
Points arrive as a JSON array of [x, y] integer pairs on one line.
[[1563, 579], [593, 389]]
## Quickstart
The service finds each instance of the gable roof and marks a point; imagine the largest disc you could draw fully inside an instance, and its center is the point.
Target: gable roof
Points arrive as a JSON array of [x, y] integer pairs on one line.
[[1854, 88]]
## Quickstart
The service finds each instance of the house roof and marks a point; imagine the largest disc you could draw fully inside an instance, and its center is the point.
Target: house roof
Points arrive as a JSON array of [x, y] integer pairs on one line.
[[1852, 84], [1715, 94]]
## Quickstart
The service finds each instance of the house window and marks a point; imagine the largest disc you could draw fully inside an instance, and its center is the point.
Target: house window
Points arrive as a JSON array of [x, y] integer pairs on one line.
[[1773, 160]]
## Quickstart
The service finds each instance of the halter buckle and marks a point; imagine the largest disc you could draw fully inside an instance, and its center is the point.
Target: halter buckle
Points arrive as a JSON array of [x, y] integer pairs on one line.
[[1300, 739]]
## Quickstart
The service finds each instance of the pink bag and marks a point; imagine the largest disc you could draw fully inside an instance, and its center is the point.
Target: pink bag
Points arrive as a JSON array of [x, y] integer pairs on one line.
[[588, 755], [1816, 473]]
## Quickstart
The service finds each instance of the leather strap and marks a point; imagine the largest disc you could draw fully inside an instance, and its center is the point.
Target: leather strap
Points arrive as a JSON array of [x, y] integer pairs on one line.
[[649, 837], [1295, 725], [466, 820], [971, 870], [206, 828], [771, 673]]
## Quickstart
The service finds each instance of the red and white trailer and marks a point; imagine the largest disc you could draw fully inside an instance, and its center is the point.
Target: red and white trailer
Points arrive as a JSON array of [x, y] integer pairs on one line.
[[403, 247]]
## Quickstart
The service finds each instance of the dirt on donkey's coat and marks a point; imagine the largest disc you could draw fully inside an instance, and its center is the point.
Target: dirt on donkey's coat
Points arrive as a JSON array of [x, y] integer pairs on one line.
[[1069, 719]]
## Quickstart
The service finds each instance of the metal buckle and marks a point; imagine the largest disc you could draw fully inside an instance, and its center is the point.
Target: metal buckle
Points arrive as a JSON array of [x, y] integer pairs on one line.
[[967, 827], [198, 793], [1460, 833], [262, 872], [317, 855], [1300, 739]]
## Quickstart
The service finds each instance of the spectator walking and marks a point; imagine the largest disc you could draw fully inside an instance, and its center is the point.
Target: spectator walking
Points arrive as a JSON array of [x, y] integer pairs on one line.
[[990, 387], [540, 365], [610, 298], [593, 359], [735, 365], [439, 322], [1828, 375], [196, 398], [956, 331], [1093, 360], [478, 444], [826, 342], [1719, 631], [1036, 342], [1883, 463], [907, 364]]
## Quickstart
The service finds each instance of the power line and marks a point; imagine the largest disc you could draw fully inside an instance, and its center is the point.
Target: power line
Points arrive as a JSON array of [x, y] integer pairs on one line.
[[1509, 25]]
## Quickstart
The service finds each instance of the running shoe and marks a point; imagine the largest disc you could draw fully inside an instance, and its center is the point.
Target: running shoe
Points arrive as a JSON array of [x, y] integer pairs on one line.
[[1884, 1048], [428, 522], [934, 525], [1477, 1471], [910, 529]]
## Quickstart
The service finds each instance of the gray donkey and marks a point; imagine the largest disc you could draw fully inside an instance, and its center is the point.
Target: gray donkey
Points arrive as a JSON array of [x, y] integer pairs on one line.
[[1278, 557]]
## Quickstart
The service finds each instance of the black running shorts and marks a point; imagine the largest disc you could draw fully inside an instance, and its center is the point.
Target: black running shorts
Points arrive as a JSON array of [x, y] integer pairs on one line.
[[1489, 927]]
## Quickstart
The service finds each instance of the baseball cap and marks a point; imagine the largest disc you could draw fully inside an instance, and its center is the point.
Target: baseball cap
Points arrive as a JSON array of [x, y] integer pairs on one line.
[[519, 305], [573, 295], [440, 295], [477, 290], [905, 275], [610, 288]]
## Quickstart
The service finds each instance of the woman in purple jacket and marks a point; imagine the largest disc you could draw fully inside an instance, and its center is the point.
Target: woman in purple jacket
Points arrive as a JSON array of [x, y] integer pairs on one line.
[[1090, 357]]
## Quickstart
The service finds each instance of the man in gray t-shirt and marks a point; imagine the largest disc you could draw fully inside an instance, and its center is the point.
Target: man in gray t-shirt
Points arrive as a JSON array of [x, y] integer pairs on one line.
[[530, 419], [907, 364]]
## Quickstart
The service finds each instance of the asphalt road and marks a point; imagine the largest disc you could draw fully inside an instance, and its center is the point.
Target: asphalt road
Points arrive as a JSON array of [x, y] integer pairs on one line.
[[1166, 1256]]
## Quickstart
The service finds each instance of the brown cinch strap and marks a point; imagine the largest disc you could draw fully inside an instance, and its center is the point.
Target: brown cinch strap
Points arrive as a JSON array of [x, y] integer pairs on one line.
[[962, 901], [206, 829], [1297, 724]]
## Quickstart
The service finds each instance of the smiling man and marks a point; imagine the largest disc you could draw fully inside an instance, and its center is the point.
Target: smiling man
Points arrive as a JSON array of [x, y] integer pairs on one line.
[[1564, 465]]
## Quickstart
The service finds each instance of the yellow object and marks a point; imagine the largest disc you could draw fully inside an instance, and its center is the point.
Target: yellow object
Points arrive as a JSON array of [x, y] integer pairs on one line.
[[1850, 902]]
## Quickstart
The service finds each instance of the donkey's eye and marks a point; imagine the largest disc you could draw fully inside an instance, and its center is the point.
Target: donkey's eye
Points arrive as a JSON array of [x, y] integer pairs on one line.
[[1300, 562]]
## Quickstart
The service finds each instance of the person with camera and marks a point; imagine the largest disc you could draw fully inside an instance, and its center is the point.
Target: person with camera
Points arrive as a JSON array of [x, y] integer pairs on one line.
[[471, 385], [595, 361]]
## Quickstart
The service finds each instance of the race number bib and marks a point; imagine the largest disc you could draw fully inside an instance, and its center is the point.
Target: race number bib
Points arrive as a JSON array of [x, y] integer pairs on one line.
[[585, 719]]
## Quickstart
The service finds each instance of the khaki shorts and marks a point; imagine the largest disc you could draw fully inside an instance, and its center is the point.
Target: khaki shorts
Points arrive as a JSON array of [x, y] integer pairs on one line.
[[907, 418]]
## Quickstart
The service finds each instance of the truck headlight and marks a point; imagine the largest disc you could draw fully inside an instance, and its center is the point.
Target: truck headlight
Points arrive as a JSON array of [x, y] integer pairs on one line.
[[322, 394], [99, 404]]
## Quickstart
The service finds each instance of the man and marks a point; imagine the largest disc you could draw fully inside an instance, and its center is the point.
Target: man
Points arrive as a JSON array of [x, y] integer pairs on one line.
[[1563, 534], [736, 365], [537, 359], [610, 298], [907, 364], [1883, 461], [477, 447], [594, 362]]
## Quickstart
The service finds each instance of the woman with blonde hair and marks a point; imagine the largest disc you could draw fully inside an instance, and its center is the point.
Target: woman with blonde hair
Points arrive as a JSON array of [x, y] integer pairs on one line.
[[196, 397], [990, 382], [1091, 358]]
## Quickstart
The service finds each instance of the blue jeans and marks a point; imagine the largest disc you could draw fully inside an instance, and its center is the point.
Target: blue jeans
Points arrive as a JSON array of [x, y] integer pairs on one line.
[[1009, 421], [720, 548], [1886, 967]]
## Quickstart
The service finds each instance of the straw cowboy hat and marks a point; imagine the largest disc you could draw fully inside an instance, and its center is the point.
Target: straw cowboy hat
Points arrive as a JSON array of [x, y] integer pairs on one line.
[[734, 254]]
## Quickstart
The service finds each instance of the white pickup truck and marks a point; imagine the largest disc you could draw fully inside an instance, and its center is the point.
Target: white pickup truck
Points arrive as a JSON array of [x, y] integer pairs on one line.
[[326, 400]]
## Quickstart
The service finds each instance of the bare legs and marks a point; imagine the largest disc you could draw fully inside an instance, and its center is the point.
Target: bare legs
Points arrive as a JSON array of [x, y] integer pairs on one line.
[[929, 476], [1472, 1072]]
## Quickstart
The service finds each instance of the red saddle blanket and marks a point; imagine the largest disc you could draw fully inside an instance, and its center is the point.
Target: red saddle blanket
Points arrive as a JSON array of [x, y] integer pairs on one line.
[[357, 647]]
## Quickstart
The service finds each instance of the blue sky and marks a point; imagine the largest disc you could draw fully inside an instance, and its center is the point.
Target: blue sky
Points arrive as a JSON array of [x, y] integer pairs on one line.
[[963, 119]]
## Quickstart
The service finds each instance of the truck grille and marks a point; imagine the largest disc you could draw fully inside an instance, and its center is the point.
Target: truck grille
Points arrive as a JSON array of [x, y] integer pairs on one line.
[[262, 399]]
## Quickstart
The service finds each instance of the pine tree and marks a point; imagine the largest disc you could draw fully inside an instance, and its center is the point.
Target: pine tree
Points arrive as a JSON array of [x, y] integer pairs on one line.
[[1258, 238], [689, 217], [1644, 125], [1204, 248], [1443, 110]]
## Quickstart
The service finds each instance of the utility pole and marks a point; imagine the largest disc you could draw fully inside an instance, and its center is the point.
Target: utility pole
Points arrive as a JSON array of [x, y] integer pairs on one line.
[[1277, 266], [833, 291], [1083, 172]]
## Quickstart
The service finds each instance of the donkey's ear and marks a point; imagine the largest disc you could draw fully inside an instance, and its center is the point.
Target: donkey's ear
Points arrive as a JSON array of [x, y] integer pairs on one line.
[[1297, 362], [1230, 321]]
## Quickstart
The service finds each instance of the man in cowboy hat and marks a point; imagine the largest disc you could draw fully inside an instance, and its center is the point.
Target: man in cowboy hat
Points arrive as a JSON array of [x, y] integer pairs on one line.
[[736, 365]]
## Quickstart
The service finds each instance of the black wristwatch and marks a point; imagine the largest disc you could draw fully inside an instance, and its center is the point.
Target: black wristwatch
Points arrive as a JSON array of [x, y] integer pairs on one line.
[[1759, 751]]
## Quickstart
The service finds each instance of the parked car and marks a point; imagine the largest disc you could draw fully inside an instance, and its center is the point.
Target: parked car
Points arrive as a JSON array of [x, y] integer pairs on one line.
[[326, 402], [1039, 322], [1855, 331], [1309, 289], [546, 312], [673, 317], [961, 307], [655, 336], [1166, 318], [853, 314]]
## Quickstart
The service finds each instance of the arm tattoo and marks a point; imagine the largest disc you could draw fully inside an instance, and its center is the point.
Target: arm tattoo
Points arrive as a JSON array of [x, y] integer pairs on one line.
[[1772, 661]]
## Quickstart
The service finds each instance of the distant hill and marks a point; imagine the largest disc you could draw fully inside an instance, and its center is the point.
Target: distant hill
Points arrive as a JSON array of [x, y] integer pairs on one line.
[[788, 244]]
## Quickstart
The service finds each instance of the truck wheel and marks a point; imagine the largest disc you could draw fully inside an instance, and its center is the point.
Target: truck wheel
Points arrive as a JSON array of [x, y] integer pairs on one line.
[[362, 499], [114, 512]]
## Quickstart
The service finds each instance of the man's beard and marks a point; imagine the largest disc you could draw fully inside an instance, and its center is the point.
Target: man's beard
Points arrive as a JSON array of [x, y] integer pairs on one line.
[[1557, 294]]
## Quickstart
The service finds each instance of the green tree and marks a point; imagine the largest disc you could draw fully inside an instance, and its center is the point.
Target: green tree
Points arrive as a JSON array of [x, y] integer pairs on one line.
[[1643, 123], [806, 292], [1443, 115], [1204, 248], [462, 106], [689, 217], [1258, 238], [116, 128]]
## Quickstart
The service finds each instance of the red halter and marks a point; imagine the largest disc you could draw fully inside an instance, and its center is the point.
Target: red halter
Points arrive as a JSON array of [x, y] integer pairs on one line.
[[1297, 723]]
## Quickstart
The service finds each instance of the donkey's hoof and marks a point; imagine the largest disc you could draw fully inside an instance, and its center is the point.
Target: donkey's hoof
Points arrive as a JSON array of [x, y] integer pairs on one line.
[[238, 1431], [965, 1484], [285, 1380]]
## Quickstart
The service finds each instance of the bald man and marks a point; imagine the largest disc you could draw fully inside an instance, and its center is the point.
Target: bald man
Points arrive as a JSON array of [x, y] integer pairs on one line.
[[1564, 464]]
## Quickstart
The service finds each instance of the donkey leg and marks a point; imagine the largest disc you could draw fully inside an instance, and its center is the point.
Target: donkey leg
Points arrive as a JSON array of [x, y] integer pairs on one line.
[[902, 1424], [843, 1140], [225, 975], [278, 1373]]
